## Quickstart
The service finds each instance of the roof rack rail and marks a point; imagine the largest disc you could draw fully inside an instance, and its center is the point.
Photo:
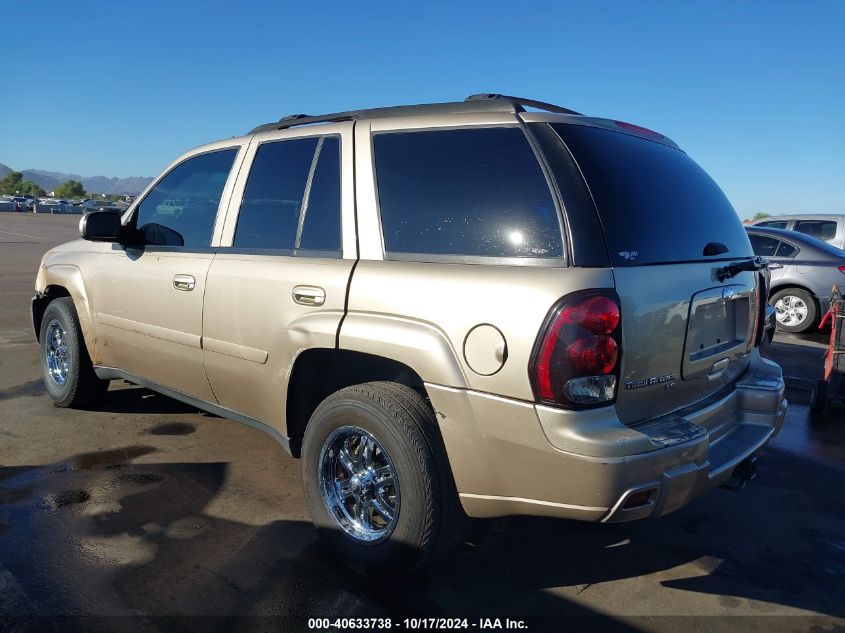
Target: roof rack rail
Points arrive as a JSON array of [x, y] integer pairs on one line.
[[490, 102], [522, 102]]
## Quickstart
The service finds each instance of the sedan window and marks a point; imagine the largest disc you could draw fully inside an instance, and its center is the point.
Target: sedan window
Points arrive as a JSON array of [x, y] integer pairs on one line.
[[786, 249], [763, 246], [820, 229]]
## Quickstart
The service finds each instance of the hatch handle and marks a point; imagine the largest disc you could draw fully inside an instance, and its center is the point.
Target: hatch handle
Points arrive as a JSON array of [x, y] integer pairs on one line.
[[748, 265]]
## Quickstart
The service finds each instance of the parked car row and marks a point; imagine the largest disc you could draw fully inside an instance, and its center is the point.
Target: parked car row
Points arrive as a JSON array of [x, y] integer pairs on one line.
[[29, 204]]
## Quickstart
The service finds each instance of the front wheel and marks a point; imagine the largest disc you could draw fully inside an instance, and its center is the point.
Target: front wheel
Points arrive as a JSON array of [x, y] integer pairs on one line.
[[376, 479], [795, 310], [68, 374]]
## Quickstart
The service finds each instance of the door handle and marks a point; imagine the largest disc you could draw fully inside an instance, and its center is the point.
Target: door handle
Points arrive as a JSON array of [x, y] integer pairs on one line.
[[309, 295], [184, 282], [774, 265]]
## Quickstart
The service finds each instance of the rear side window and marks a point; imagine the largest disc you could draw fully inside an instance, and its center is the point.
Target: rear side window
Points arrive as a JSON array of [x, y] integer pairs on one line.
[[820, 229], [655, 203], [764, 246], [774, 224], [469, 192], [182, 207], [275, 189], [786, 250], [321, 216]]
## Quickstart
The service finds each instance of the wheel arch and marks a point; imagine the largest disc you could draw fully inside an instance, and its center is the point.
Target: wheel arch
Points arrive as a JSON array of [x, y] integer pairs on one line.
[[318, 373], [64, 280]]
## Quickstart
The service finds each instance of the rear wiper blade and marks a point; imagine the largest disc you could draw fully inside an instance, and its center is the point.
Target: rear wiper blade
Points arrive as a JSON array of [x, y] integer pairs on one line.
[[748, 265]]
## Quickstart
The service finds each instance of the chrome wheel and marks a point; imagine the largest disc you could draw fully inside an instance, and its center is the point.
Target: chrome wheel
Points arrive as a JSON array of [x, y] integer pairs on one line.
[[791, 310], [56, 353], [358, 484]]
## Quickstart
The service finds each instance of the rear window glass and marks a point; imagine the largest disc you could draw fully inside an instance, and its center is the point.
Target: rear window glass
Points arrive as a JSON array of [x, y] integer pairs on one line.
[[774, 224], [468, 192], [820, 229], [655, 203], [763, 246], [786, 250]]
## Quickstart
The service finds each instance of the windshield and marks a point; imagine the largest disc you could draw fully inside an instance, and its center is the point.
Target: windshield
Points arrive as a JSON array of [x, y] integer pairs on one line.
[[655, 203]]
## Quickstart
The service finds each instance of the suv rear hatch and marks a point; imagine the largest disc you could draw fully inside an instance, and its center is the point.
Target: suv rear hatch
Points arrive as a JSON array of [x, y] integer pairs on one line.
[[669, 229]]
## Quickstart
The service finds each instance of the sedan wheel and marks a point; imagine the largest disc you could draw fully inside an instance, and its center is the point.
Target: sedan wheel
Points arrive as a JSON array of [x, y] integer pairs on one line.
[[791, 311], [795, 310]]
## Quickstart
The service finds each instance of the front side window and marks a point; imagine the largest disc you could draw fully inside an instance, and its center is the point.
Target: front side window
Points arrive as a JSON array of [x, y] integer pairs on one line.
[[182, 207], [466, 192], [820, 229]]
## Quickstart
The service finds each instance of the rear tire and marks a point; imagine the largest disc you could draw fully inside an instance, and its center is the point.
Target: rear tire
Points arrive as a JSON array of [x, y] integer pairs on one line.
[[796, 308], [401, 429], [68, 373]]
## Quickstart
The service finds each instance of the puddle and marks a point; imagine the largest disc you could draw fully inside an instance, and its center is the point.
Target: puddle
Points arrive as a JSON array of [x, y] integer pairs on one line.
[[59, 500], [173, 428], [31, 388], [140, 479], [823, 442]]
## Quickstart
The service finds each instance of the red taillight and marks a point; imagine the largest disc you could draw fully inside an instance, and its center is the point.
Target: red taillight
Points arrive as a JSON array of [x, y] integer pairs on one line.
[[593, 355], [576, 358], [842, 269]]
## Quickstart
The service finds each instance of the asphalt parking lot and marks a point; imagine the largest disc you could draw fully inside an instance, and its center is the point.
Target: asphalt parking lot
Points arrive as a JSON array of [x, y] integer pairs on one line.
[[144, 507]]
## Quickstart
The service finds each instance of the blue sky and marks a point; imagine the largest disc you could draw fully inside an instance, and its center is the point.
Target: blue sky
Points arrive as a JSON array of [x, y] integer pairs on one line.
[[754, 91]]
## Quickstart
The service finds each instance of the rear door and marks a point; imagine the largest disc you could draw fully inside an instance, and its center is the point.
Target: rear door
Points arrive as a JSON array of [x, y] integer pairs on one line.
[[278, 283], [669, 229]]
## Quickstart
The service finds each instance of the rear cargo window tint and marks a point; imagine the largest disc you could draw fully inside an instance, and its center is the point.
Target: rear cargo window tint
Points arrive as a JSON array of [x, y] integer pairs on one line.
[[764, 246], [655, 203], [820, 229], [774, 224], [269, 214], [182, 208], [469, 192]]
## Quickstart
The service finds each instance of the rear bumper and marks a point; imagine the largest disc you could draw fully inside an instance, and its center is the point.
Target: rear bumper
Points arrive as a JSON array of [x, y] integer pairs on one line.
[[511, 457]]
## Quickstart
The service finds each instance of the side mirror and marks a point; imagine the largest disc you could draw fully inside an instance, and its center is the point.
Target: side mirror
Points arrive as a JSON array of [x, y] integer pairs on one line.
[[101, 226]]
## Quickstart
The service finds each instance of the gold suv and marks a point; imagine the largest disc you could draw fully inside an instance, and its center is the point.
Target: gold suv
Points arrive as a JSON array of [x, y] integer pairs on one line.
[[445, 310]]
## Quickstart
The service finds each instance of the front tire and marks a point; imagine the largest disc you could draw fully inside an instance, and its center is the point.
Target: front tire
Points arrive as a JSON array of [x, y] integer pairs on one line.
[[68, 373], [376, 479], [796, 310]]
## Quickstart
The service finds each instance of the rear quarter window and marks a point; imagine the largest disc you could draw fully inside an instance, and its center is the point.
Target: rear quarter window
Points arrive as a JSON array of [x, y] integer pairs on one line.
[[465, 192], [820, 229], [655, 203]]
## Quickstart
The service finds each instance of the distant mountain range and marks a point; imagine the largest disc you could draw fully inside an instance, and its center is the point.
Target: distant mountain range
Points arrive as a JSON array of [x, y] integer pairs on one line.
[[49, 180]]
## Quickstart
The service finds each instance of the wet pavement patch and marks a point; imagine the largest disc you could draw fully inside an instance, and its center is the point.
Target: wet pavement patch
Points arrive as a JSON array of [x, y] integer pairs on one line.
[[115, 458], [59, 500], [31, 388], [13, 496], [173, 428], [140, 479]]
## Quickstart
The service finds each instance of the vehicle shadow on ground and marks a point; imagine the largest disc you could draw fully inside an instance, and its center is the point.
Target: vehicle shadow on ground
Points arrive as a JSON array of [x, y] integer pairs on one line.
[[111, 535], [132, 399]]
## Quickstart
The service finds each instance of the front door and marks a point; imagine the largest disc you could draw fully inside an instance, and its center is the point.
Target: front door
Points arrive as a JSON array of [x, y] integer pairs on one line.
[[148, 297]]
